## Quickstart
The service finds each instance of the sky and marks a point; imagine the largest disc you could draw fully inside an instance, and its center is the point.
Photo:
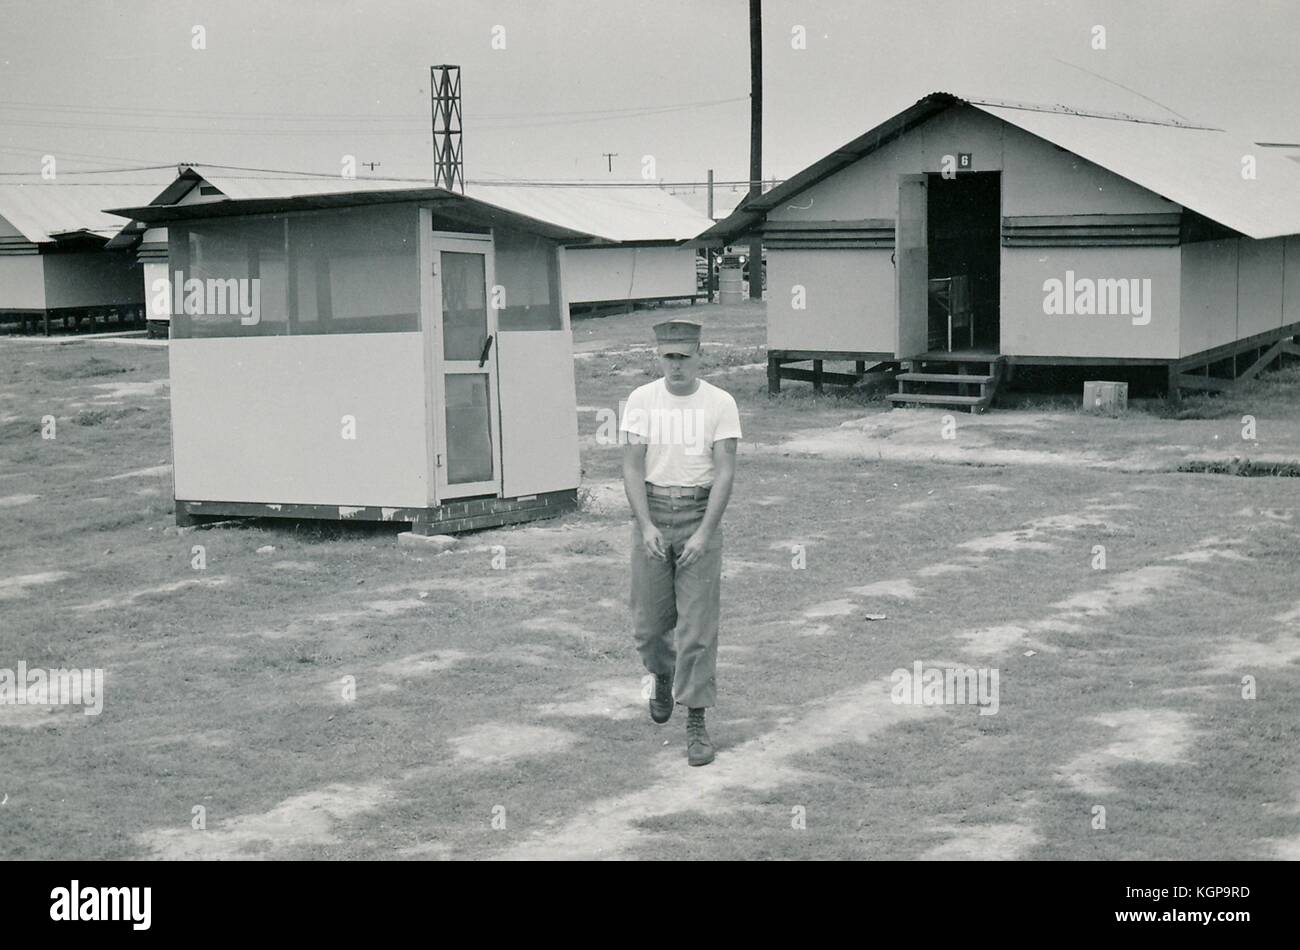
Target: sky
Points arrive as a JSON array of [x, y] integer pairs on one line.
[[549, 86]]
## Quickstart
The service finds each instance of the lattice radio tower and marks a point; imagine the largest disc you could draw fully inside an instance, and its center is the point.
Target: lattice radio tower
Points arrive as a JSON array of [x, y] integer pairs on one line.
[[448, 146]]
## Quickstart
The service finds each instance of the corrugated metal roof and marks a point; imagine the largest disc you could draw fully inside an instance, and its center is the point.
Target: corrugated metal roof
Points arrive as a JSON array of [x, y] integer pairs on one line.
[[1199, 168], [41, 211], [461, 206], [634, 213], [616, 214]]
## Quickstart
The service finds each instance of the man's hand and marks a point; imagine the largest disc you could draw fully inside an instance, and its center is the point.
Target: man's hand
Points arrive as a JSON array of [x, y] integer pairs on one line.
[[694, 547], [653, 543]]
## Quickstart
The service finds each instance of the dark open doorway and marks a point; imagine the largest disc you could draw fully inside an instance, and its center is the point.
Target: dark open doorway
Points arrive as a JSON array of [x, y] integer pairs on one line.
[[963, 224]]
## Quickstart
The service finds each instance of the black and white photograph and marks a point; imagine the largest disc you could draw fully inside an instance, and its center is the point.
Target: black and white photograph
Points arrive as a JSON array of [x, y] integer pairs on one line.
[[744, 430]]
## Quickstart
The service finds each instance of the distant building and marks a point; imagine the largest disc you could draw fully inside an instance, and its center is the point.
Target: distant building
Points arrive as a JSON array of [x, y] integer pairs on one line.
[[55, 266], [964, 237]]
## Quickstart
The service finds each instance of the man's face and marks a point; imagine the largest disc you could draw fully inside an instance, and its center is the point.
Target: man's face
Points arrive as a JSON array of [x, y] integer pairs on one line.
[[680, 371]]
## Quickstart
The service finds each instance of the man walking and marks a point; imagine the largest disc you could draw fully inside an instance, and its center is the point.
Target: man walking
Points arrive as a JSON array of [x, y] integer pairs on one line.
[[678, 467]]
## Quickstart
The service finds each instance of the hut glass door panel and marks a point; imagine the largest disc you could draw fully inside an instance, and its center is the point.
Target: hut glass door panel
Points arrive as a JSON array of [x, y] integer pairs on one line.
[[911, 267], [469, 434]]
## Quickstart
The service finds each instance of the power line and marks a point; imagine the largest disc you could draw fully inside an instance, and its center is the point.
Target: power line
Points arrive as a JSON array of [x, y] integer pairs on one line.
[[577, 116], [101, 171], [286, 174], [331, 116]]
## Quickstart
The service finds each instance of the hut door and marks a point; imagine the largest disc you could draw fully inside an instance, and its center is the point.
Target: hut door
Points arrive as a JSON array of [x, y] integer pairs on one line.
[[911, 267], [468, 440]]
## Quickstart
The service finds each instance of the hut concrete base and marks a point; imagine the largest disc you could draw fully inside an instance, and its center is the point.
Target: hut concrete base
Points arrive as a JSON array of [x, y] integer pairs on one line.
[[471, 514]]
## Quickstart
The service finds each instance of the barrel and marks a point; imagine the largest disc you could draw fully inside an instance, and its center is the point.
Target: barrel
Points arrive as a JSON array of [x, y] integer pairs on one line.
[[729, 284]]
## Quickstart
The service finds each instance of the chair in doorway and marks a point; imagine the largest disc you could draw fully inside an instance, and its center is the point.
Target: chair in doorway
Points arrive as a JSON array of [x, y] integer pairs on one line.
[[952, 321]]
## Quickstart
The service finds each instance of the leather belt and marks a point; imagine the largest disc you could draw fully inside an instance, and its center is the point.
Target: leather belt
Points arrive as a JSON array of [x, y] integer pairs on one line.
[[678, 491]]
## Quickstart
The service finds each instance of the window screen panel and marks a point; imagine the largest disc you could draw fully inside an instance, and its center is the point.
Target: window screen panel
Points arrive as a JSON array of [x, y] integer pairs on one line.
[[469, 428], [527, 270], [464, 306]]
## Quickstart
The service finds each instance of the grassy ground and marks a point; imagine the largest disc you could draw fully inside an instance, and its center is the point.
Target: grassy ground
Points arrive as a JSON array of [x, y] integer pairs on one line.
[[497, 708]]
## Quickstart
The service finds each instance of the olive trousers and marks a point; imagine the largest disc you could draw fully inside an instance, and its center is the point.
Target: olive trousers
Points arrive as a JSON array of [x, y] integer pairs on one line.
[[675, 609]]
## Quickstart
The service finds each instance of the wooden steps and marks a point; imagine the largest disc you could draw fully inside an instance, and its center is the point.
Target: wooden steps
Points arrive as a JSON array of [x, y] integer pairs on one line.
[[950, 379], [935, 399], [943, 378]]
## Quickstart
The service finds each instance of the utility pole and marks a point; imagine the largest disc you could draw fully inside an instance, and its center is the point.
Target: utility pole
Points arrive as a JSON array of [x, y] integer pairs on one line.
[[710, 275], [756, 139], [609, 159]]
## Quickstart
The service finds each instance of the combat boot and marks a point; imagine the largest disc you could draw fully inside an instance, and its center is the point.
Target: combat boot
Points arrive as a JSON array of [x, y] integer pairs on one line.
[[699, 750], [661, 700]]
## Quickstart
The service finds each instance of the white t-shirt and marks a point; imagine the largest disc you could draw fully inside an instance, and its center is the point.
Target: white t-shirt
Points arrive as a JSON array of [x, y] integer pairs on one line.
[[680, 430]]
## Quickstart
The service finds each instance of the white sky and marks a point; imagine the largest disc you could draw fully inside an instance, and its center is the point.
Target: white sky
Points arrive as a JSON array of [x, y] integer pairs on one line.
[[297, 84]]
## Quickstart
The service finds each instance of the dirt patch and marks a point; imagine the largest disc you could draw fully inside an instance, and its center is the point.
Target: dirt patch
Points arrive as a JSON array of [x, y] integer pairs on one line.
[[1163, 736], [608, 828], [1269, 514], [32, 717], [494, 743], [1001, 842], [1131, 589], [509, 584], [917, 435], [422, 664], [309, 819], [153, 387], [619, 698], [303, 567], [126, 600], [555, 625], [15, 587], [903, 589], [831, 608], [937, 570], [1020, 539], [426, 851], [1246, 656], [13, 501], [1209, 549], [154, 471], [734, 566], [993, 640], [1026, 538]]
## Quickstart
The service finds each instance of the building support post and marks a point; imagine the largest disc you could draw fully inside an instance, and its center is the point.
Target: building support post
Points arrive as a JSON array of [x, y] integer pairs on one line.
[[710, 256], [756, 139]]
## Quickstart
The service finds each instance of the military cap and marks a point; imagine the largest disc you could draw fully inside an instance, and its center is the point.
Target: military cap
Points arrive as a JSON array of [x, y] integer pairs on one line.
[[678, 336]]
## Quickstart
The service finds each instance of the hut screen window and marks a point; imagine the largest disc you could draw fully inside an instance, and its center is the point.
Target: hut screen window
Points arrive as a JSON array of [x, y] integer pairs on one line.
[[528, 272], [355, 271], [230, 279]]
